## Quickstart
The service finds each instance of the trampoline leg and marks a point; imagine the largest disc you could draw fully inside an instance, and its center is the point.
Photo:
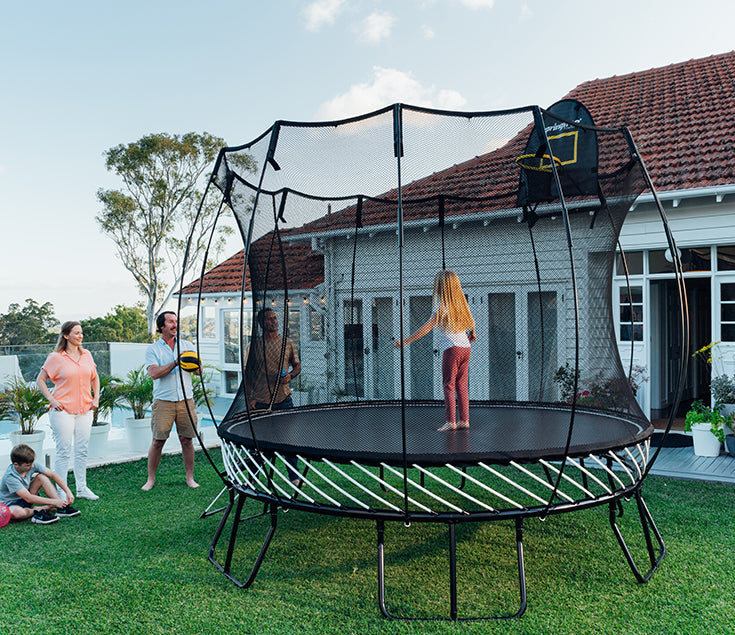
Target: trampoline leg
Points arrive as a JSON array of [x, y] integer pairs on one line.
[[650, 531], [233, 538], [453, 576], [209, 511]]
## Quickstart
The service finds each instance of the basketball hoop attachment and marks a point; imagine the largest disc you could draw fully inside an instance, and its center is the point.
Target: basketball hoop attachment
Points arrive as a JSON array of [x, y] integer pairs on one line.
[[537, 163]]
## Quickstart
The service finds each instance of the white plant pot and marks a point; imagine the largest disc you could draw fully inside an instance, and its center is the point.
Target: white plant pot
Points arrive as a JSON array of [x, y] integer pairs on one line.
[[34, 440], [98, 440], [705, 443], [139, 434]]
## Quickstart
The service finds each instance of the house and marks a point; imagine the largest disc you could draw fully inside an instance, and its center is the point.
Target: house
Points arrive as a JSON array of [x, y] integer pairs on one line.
[[681, 119]]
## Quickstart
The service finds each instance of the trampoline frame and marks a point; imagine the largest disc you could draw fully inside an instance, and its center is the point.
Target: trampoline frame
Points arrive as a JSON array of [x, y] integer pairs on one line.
[[261, 475], [599, 478]]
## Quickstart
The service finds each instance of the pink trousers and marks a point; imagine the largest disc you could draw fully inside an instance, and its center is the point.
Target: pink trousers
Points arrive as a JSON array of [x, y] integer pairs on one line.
[[455, 367]]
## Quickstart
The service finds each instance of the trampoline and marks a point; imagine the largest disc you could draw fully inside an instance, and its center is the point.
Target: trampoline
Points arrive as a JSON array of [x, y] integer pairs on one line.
[[343, 225]]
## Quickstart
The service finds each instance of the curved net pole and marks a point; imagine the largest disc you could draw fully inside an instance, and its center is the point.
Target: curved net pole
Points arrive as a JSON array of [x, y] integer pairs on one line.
[[539, 120], [187, 253], [441, 226], [626, 270], [530, 223], [353, 352], [683, 308], [270, 160], [398, 152]]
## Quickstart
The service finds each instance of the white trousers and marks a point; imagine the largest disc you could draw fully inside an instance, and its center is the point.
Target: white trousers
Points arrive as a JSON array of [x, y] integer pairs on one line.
[[71, 430]]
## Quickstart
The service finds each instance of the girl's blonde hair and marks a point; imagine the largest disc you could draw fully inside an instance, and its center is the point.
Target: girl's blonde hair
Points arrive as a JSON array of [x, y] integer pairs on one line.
[[66, 328], [450, 303]]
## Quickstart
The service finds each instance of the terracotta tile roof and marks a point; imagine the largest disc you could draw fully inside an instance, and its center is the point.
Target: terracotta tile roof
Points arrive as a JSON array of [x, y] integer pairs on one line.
[[305, 270], [682, 118]]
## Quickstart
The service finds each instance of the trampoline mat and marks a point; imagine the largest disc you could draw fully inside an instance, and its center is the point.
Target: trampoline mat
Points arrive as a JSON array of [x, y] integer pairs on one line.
[[372, 433]]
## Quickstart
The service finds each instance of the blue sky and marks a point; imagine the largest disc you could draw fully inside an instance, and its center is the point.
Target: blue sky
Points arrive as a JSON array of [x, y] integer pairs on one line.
[[83, 76]]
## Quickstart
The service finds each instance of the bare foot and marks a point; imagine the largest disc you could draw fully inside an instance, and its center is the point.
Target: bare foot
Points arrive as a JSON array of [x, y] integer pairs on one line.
[[192, 483], [148, 485]]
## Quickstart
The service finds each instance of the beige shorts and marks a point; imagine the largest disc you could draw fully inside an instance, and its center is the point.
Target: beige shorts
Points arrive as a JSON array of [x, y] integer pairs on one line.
[[165, 413]]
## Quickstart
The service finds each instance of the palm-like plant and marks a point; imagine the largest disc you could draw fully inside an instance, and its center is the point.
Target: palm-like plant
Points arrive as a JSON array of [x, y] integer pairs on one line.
[[137, 391], [110, 388], [24, 403]]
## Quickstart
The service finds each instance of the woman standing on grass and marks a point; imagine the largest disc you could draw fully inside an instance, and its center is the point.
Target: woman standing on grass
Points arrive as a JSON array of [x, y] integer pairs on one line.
[[74, 375], [456, 328]]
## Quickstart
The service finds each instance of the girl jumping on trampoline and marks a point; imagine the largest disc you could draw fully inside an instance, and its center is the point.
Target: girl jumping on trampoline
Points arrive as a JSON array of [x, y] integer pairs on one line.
[[456, 328]]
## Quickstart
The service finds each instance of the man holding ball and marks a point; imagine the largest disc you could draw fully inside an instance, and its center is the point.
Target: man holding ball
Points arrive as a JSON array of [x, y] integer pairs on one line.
[[171, 403]]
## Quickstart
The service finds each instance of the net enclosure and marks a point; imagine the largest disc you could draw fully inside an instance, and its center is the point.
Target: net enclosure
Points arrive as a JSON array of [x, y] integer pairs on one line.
[[341, 411]]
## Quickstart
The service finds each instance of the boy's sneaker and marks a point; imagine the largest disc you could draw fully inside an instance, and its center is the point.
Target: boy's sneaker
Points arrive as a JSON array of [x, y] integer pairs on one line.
[[67, 512], [44, 517]]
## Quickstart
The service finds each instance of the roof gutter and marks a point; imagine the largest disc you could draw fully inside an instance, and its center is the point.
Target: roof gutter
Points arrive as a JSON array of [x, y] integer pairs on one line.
[[677, 196]]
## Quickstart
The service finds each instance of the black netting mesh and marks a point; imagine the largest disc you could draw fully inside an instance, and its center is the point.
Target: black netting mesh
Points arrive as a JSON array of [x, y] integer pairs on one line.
[[346, 224]]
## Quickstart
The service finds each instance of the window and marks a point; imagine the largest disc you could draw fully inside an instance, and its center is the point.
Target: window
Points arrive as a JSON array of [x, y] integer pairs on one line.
[[208, 323], [188, 322], [727, 311], [230, 331], [634, 260], [726, 258], [631, 314], [232, 381], [697, 259], [316, 322]]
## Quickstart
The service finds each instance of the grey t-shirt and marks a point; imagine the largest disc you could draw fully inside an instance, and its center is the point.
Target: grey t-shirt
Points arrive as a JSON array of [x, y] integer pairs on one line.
[[13, 482]]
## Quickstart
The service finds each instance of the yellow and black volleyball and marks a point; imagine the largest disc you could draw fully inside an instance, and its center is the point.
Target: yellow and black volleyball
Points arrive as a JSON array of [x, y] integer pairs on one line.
[[189, 361]]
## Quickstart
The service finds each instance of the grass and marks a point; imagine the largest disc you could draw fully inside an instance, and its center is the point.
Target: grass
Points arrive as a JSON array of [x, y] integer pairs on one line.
[[136, 562]]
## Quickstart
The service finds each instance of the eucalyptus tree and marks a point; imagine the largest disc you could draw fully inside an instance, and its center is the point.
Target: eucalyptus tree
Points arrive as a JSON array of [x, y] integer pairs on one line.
[[151, 216]]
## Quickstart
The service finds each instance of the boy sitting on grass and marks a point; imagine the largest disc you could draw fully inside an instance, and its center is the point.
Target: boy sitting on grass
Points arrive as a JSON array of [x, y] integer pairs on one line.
[[22, 483]]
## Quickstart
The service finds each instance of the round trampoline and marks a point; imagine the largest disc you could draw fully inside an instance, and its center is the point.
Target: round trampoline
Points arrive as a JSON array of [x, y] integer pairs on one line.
[[344, 225]]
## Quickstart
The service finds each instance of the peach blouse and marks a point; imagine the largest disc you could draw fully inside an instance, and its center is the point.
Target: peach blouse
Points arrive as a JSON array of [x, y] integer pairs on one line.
[[72, 380]]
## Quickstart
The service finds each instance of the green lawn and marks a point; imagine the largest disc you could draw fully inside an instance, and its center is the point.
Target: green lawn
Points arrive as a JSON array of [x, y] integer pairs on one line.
[[136, 562]]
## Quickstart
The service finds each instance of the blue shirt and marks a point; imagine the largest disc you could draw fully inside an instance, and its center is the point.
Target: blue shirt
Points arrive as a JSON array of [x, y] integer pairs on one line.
[[168, 388], [13, 482]]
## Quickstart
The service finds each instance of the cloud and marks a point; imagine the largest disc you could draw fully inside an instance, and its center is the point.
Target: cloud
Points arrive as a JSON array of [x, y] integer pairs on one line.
[[478, 4], [427, 32], [526, 13], [376, 27], [388, 86], [322, 12]]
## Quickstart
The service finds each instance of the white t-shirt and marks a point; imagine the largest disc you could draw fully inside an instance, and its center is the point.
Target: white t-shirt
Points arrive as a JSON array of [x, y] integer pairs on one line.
[[447, 339]]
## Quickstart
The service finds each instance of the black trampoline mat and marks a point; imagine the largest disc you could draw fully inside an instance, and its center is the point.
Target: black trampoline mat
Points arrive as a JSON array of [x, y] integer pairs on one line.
[[372, 433]]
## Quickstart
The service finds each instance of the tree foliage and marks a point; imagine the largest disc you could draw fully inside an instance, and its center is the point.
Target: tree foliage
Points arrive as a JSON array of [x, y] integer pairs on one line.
[[123, 324], [30, 324], [151, 216]]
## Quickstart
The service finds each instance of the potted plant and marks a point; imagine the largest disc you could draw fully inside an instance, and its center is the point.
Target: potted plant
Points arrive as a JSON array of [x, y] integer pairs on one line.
[[109, 395], [723, 393], [707, 426], [23, 403], [136, 391]]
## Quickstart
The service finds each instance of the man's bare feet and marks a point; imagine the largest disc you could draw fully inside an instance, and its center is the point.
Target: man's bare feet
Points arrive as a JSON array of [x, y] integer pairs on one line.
[[148, 485], [192, 483]]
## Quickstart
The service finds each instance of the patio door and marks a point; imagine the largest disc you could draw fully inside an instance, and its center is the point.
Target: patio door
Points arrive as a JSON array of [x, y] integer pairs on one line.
[[422, 354], [522, 344]]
